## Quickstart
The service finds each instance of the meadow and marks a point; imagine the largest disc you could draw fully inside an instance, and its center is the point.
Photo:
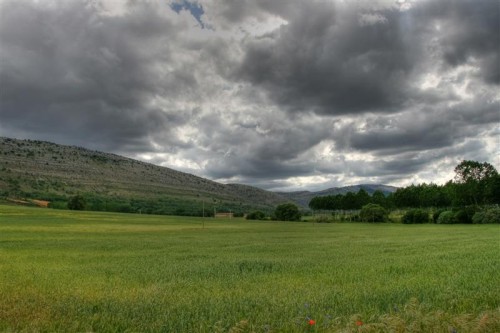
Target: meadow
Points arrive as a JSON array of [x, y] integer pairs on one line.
[[68, 271]]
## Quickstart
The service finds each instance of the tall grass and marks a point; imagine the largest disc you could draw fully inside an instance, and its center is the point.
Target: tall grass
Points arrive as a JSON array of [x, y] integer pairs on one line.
[[105, 272]]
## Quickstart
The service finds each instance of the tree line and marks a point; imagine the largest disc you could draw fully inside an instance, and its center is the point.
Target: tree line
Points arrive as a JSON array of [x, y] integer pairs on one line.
[[475, 184]]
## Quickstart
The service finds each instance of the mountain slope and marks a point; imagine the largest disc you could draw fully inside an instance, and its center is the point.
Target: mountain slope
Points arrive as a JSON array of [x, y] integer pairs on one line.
[[303, 197], [53, 172]]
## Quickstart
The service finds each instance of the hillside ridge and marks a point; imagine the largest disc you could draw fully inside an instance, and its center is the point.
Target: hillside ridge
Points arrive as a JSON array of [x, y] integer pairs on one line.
[[54, 172]]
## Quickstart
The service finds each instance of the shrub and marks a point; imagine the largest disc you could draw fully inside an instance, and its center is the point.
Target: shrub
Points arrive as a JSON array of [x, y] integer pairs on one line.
[[421, 216], [478, 217], [287, 212], [415, 216], [323, 219], [461, 217], [77, 203], [256, 215], [446, 217], [373, 213], [436, 214], [491, 215], [408, 217]]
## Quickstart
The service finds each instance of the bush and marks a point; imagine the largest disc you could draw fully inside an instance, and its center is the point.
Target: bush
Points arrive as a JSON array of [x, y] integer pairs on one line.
[[323, 219], [478, 217], [488, 216], [287, 212], [415, 216], [256, 215], [446, 217], [58, 205], [436, 214], [373, 213], [77, 203], [461, 217]]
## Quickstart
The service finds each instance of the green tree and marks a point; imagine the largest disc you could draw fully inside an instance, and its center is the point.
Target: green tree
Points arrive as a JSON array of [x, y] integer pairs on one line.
[[77, 202], [415, 216], [472, 178], [378, 197], [407, 197], [287, 212], [373, 213], [492, 190], [349, 201], [362, 198], [256, 215]]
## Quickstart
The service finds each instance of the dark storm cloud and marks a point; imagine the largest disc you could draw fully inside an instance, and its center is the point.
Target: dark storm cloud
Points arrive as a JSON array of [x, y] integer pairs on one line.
[[70, 71], [427, 129], [470, 31], [325, 60], [334, 59], [259, 147], [261, 92]]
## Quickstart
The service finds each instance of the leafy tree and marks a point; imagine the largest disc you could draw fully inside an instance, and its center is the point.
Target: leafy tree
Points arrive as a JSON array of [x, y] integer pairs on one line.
[[287, 212], [77, 202], [472, 177], [318, 203], [256, 215], [468, 171], [373, 213], [407, 197], [336, 202], [349, 201], [415, 216], [362, 198], [378, 197], [492, 190]]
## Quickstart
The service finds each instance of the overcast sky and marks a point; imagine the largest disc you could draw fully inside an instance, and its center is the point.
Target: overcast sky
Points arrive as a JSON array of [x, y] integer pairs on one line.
[[280, 94]]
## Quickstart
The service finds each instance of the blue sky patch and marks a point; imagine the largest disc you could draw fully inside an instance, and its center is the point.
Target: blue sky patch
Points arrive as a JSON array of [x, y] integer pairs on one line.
[[194, 8]]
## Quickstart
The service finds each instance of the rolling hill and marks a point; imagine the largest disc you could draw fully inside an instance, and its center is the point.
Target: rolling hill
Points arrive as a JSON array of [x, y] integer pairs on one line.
[[52, 172], [33, 170]]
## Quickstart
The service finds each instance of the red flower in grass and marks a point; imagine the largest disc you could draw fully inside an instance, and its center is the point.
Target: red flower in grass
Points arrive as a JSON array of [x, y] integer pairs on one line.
[[359, 323], [311, 322]]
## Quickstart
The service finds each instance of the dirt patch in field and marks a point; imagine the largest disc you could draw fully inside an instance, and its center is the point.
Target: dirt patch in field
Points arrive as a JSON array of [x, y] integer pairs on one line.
[[39, 203]]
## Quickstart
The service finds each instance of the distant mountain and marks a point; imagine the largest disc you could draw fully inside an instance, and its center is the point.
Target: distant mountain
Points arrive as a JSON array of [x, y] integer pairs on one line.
[[52, 172], [303, 197]]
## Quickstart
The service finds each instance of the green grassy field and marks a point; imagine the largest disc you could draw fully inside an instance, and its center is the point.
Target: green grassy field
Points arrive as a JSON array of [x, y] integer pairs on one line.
[[103, 272]]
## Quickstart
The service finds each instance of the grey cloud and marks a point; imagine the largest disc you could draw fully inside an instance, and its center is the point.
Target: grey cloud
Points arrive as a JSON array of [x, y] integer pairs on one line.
[[389, 93], [327, 61], [469, 29], [72, 71], [431, 127], [256, 146], [237, 11]]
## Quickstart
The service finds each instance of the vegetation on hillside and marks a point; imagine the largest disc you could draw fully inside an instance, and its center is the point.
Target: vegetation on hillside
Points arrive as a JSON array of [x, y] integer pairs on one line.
[[107, 182]]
